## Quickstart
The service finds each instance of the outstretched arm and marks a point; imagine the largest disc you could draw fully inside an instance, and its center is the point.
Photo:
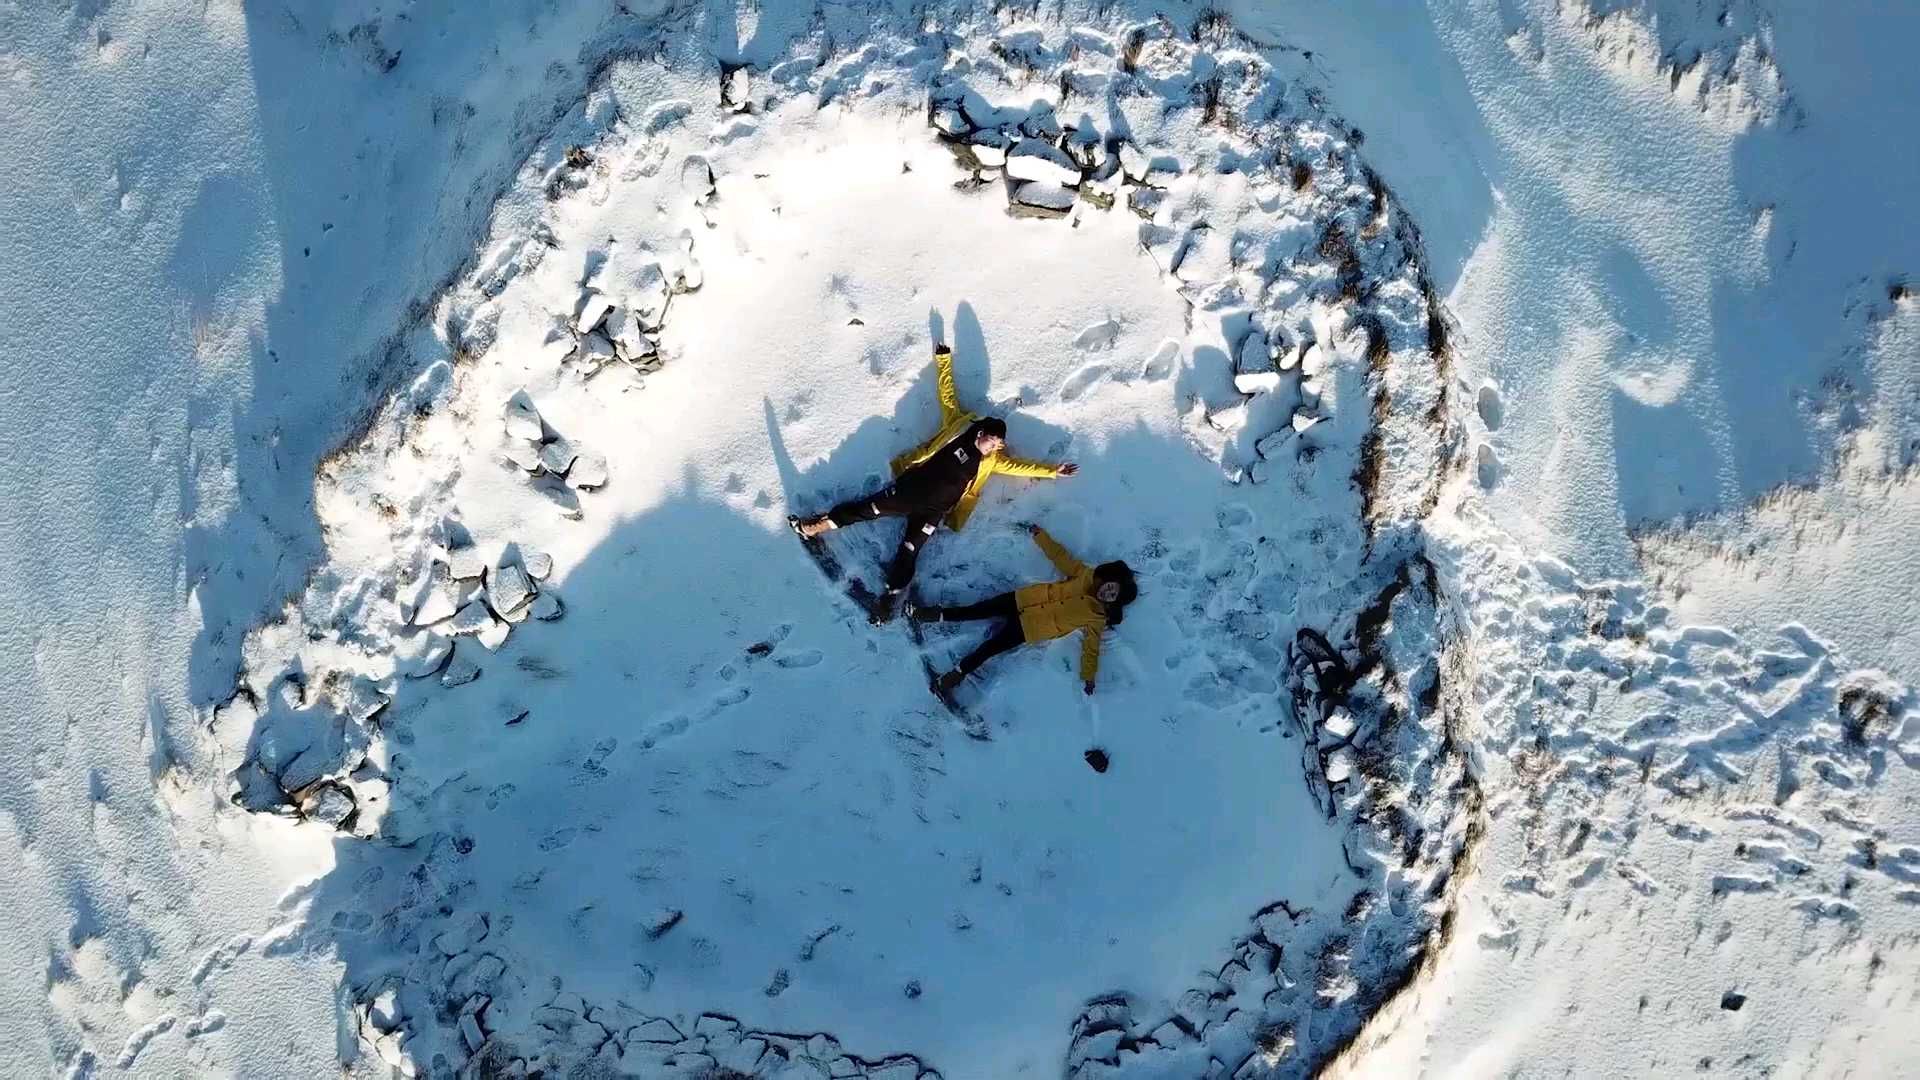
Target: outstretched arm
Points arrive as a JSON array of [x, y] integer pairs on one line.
[[1057, 555], [1034, 470], [1089, 655], [949, 394]]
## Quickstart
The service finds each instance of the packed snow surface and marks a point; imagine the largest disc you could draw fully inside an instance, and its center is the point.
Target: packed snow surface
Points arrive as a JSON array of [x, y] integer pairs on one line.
[[416, 673]]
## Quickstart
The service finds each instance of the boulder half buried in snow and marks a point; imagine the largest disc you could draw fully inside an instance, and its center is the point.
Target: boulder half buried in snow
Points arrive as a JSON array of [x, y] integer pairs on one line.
[[1042, 162]]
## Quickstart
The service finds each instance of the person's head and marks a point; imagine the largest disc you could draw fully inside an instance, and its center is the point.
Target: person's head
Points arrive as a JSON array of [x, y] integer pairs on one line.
[[1113, 586], [989, 435]]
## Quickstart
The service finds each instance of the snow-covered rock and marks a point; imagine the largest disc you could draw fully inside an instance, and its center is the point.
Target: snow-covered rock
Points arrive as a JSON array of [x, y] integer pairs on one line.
[[522, 420], [588, 471], [494, 634], [460, 669], [329, 803], [1034, 160], [1304, 420], [558, 456], [465, 563], [1257, 382], [421, 655], [989, 156], [594, 306], [524, 456], [1313, 361], [546, 606], [539, 564], [950, 121], [508, 588], [471, 619], [1270, 445], [1044, 195]]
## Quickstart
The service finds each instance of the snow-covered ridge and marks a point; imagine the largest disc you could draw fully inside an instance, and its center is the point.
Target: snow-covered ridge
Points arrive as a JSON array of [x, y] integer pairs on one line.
[[1310, 363]]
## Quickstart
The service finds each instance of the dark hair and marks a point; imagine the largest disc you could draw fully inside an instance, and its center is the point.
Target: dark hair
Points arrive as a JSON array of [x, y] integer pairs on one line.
[[1122, 575], [990, 425]]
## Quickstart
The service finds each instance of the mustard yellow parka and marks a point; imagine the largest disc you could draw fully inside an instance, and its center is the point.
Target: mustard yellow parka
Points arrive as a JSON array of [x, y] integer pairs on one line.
[[953, 421], [1059, 608]]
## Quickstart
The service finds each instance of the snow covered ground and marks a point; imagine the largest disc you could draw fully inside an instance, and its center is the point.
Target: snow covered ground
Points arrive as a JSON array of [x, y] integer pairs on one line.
[[419, 674]]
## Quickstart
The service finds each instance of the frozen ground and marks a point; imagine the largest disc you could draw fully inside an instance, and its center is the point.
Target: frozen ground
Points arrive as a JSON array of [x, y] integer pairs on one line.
[[1617, 540]]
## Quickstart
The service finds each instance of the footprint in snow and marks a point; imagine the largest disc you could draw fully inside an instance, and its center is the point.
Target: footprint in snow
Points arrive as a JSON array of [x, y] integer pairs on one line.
[[1161, 364], [1080, 381], [1100, 335]]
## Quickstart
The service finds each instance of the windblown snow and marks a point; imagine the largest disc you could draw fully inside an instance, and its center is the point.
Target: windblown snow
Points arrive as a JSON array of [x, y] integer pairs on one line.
[[1521, 682]]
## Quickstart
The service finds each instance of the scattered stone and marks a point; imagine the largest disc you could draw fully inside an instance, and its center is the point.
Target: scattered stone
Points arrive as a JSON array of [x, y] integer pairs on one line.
[[912, 989], [1253, 353], [951, 121], [1172, 1035], [1229, 420], [650, 297], [328, 802], [459, 670], [522, 420], [902, 1068], [522, 455], [1313, 361], [546, 606], [736, 91], [656, 1030], [1269, 445], [1257, 382], [779, 983], [589, 471], [594, 350], [1032, 159], [662, 921], [560, 495], [745, 1057], [494, 635], [470, 1032], [388, 1047], [537, 564], [465, 563], [1045, 196], [1732, 1000], [1100, 1046], [464, 934], [593, 308], [471, 619], [425, 654], [558, 456], [508, 589]]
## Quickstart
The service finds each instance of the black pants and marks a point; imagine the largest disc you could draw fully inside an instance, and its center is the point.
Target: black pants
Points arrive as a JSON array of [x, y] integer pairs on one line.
[[1008, 636], [922, 520]]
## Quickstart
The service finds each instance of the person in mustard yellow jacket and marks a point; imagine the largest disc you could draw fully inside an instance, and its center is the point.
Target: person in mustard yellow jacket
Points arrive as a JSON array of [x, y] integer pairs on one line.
[[941, 479], [1088, 599]]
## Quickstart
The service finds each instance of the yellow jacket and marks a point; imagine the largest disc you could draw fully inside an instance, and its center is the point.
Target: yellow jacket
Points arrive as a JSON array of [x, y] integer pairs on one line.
[[953, 421], [1061, 607]]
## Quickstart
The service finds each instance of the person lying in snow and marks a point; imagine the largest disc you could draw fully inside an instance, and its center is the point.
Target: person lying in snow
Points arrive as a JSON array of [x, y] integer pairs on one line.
[[940, 479], [1089, 600]]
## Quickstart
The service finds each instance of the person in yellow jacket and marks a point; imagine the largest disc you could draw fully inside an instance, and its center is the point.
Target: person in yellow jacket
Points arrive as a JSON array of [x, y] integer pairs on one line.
[[941, 479], [1089, 599]]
